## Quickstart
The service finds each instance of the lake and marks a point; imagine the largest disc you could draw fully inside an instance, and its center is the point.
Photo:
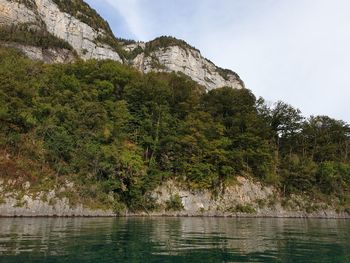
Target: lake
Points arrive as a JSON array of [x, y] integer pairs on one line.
[[173, 240]]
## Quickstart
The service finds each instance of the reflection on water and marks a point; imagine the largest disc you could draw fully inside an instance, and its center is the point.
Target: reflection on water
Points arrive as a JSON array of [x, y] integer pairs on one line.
[[173, 240]]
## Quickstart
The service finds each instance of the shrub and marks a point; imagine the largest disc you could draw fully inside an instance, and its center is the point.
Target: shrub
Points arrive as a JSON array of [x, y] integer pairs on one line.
[[247, 209], [174, 203]]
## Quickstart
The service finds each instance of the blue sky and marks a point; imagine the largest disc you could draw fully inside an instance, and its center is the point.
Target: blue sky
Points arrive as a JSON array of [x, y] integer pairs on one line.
[[296, 51]]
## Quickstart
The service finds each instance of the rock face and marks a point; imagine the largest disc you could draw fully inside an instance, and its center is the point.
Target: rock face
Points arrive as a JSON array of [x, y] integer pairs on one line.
[[48, 55], [46, 14], [243, 199], [12, 12], [189, 62], [89, 42], [244, 192], [35, 207], [25, 203], [81, 36]]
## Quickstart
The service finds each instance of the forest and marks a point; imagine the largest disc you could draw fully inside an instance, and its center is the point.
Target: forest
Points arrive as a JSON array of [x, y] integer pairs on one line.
[[114, 131]]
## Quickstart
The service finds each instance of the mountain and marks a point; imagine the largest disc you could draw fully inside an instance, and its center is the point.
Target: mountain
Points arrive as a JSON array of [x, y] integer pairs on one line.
[[167, 54], [94, 125], [61, 31]]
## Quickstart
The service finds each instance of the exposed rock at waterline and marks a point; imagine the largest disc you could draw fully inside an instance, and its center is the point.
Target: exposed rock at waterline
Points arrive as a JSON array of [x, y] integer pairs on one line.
[[243, 199]]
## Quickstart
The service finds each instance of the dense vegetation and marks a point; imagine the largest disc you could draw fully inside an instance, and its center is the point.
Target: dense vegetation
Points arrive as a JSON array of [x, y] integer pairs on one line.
[[110, 129], [27, 35], [226, 73], [166, 41]]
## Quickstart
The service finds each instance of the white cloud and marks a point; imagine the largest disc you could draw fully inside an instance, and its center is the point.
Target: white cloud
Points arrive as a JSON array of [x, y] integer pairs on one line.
[[132, 14], [296, 51]]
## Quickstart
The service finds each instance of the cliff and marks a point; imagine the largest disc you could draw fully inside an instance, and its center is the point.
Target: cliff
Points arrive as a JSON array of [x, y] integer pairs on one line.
[[93, 136], [166, 54], [46, 15], [89, 37]]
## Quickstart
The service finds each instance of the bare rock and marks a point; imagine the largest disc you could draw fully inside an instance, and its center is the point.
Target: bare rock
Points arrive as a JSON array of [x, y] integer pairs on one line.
[[12, 12], [189, 62], [47, 55], [46, 14]]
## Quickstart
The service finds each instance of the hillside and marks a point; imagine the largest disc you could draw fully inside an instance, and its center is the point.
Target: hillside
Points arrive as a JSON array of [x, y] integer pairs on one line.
[[91, 124], [62, 31], [102, 135]]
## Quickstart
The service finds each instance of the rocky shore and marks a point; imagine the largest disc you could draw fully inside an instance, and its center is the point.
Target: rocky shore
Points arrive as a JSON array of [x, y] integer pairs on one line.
[[243, 199]]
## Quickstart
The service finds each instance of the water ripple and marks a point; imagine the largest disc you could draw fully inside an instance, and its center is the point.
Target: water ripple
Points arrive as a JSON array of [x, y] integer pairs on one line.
[[173, 240]]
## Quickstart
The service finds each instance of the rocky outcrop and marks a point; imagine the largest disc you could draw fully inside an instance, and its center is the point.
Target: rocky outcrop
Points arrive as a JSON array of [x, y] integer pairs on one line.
[[47, 55], [243, 193], [13, 12], [82, 37], [29, 203], [36, 207], [243, 199], [187, 61], [91, 42], [46, 14]]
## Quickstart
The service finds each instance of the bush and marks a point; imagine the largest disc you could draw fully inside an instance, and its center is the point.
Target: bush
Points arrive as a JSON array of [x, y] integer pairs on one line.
[[166, 41], [174, 203], [247, 209]]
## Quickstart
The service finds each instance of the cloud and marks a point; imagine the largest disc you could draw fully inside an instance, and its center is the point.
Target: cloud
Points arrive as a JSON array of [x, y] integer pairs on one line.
[[131, 12], [296, 51]]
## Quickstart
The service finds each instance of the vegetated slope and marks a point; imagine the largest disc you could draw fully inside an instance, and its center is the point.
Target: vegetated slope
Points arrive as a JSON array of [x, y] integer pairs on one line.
[[117, 133]]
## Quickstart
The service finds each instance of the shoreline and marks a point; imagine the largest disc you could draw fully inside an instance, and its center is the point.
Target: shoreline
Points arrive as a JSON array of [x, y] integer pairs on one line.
[[245, 199], [342, 217]]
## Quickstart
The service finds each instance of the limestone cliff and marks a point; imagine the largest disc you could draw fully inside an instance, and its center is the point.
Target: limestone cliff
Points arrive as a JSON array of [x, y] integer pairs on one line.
[[90, 37], [175, 56], [47, 15], [48, 55], [15, 12], [82, 37]]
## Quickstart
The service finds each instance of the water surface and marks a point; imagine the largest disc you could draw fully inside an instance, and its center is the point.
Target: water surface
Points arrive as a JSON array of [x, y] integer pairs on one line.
[[173, 240]]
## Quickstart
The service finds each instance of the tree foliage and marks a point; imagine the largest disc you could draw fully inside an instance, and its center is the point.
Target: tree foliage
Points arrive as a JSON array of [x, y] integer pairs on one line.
[[26, 34], [127, 132]]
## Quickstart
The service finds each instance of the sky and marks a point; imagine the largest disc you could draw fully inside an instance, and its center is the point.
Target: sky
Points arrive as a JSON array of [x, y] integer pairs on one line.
[[297, 51]]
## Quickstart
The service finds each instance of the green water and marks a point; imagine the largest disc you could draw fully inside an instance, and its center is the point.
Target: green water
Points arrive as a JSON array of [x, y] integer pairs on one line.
[[173, 240]]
